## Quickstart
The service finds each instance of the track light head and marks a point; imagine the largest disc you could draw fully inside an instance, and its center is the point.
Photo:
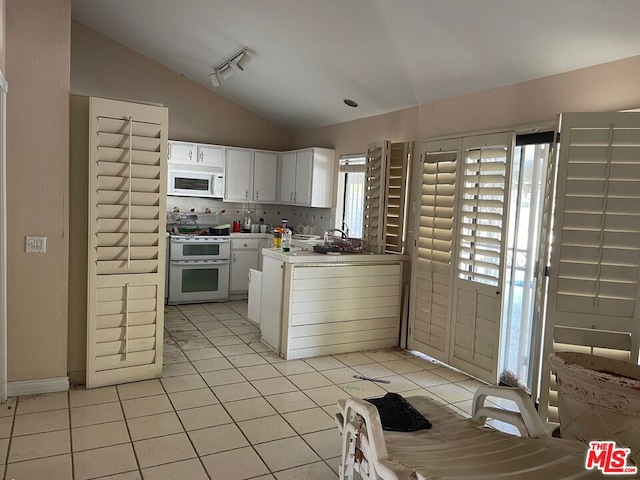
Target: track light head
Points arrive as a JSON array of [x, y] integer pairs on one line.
[[242, 60], [215, 81]]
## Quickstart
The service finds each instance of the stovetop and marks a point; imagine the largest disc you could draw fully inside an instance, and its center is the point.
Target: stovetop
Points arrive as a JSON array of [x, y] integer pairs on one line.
[[196, 238]]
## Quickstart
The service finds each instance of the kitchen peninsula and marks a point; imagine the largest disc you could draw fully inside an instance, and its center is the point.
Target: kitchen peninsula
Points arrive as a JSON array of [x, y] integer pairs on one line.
[[314, 304]]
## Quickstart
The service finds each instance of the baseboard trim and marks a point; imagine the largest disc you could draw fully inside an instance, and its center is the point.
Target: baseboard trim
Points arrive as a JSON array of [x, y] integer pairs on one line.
[[40, 385]]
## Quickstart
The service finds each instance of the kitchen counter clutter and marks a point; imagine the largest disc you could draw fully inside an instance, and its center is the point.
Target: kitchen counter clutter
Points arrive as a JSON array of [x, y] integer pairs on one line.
[[313, 304]]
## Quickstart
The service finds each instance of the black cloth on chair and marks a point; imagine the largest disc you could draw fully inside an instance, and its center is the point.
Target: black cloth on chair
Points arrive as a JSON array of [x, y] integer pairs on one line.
[[398, 415]]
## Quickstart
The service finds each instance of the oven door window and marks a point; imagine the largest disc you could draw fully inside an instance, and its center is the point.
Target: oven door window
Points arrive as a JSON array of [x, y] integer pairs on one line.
[[184, 183], [206, 249], [200, 280]]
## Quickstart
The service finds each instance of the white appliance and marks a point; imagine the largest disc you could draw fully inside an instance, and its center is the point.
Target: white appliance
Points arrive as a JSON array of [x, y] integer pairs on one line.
[[199, 269], [195, 183]]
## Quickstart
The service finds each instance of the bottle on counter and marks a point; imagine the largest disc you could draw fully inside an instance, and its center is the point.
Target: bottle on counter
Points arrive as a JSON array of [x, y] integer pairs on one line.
[[278, 234], [277, 238], [286, 241]]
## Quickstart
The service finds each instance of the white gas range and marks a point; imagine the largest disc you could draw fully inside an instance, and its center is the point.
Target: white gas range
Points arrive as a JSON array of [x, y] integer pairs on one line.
[[199, 268]]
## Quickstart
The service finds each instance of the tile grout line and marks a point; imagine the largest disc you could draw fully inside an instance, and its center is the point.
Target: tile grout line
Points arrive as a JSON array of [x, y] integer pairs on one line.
[[13, 424], [126, 423], [73, 465]]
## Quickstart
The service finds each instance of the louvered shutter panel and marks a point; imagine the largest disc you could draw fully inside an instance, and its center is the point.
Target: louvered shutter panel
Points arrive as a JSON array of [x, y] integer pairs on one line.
[[592, 304], [432, 266], [544, 251], [127, 198], [374, 197], [480, 250], [395, 211]]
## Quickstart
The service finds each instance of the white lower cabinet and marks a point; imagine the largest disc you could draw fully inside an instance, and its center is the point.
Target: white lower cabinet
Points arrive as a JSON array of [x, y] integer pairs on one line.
[[313, 305], [244, 256], [271, 303]]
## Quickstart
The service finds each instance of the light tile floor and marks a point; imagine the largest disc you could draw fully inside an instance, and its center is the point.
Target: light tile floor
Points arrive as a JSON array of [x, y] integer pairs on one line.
[[225, 408]]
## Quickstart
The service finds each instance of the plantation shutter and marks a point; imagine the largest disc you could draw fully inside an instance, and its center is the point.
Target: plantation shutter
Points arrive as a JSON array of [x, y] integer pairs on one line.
[[400, 154], [127, 198], [480, 249], [592, 304], [542, 264], [432, 266], [374, 197]]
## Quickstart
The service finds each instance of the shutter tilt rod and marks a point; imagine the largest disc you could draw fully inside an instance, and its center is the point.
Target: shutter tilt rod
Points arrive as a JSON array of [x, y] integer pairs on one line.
[[130, 181]]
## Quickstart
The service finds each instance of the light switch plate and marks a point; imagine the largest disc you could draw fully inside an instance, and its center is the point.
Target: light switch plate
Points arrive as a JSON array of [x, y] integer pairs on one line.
[[36, 244]]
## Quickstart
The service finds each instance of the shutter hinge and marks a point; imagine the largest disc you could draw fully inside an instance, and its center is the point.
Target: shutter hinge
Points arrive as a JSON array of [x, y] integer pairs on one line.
[[558, 135], [547, 271]]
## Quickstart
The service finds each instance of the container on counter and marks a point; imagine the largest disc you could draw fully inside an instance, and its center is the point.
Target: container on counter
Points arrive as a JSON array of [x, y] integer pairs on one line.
[[277, 238], [236, 226], [286, 241]]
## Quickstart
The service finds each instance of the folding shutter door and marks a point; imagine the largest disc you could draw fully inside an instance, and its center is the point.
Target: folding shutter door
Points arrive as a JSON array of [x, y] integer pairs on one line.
[[397, 175], [127, 197], [544, 251], [432, 266], [374, 197], [592, 304], [480, 250]]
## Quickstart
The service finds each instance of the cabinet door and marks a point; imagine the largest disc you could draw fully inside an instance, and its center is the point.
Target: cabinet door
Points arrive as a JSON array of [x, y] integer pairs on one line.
[[304, 169], [181, 153], [287, 177], [265, 176], [238, 175], [210, 156], [241, 262]]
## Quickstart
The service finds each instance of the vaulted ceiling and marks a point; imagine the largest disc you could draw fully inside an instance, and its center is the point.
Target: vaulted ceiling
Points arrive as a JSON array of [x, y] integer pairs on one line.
[[309, 55]]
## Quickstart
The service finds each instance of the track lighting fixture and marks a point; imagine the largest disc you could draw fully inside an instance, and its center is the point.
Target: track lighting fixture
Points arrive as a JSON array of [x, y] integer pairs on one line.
[[223, 72]]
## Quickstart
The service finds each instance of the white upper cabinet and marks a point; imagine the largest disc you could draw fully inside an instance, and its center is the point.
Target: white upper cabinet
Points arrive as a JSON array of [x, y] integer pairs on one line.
[[306, 177], [195, 155], [287, 177], [211, 156], [182, 153], [251, 176], [238, 175], [265, 176]]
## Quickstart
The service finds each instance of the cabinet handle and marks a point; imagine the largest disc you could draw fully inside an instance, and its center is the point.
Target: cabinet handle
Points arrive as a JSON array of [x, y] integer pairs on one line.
[[257, 195], [295, 197], [234, 258], [246, 193], [190, 154], [291, 197], [202, 156]]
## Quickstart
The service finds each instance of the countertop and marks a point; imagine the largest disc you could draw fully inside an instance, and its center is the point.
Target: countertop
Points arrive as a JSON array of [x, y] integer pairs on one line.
[[302, 256], [251, 235]]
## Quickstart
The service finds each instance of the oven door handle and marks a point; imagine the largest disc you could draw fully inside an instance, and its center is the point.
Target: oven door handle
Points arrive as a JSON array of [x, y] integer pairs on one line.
[[207, 241], [186, 263]]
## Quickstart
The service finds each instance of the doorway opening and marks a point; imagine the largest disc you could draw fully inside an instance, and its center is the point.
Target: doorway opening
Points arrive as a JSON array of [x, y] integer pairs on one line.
[[519, 328]]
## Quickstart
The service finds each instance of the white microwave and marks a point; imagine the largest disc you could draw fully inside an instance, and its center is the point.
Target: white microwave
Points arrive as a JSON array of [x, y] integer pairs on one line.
[[195, 184]]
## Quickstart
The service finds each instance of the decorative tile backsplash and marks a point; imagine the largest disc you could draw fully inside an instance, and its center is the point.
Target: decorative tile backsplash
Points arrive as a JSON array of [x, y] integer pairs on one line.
[[226, 212]]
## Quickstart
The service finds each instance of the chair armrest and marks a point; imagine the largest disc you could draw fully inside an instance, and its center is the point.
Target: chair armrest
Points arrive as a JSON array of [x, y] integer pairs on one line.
[[526, 419]]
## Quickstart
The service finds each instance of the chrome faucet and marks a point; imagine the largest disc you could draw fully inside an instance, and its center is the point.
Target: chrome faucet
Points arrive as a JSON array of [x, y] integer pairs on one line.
[[345, 228], [332, 230]]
